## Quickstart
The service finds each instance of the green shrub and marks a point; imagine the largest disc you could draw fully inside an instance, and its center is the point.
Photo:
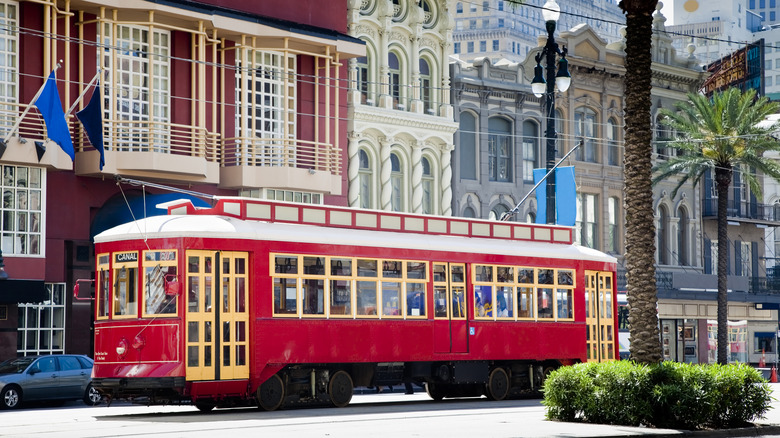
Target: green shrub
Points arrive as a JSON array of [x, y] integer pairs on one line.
[[668, 395]]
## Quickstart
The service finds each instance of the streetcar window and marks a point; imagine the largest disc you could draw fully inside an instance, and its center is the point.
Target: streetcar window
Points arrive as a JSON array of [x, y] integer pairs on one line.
[[341, 267], [416, 270], [483, 301], [156, 301], [504, 306], [286, 265], [505, 274], [125, 297], [525, 302], [457, 274], [314, 265], [366, 298], [440, 301], [546, 276], [564, 297], [544, 302], [285, 296], [391, 298], [340, 297], [366, 268], [565, 277], [458, 302], [313, 297], [439, 272], [484, 273], [392, 269], [103, 286], [525, 276], [415, 299]]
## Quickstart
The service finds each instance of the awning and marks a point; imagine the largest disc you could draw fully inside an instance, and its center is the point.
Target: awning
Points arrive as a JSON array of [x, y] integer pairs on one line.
[[765, 334], [22, 291]]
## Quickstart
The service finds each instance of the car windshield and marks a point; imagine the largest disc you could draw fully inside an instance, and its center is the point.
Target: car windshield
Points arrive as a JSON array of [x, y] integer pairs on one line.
[[15, 366]]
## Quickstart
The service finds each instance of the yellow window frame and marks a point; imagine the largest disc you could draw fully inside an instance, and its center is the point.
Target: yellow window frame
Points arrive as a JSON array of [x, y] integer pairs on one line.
[[158, 263]]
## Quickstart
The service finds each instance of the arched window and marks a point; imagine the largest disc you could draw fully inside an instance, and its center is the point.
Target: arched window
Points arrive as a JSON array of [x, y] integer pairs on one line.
[[613, 152], [585, 131], [559, 130], [468, 212], [663, 236], [426, 91], [427, 186], [396, 182], [395, 78], [468, 146], [459, 8], [500, 149], [498, 212], [364, 176], [682, 237], [662, 137], [587, 220], [530, 218], [530, 149], [362, 78]]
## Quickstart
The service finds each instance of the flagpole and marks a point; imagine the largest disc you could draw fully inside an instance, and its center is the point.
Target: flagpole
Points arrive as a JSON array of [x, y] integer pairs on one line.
[[83, 93], [26, 110]]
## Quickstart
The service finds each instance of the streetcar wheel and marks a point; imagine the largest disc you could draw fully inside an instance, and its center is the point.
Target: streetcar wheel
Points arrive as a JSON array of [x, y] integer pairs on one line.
[[498, 384], [340, 389], [204, 406], [91, 396], [434, 391], [270, 394], [11, 397]]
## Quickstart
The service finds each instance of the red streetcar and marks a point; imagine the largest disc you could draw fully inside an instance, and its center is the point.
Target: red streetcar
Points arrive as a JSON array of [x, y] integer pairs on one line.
[[260, 302]]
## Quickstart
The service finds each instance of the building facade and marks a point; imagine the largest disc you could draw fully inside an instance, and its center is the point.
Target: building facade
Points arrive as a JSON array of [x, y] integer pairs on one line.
[[400, 121], [218, 97]]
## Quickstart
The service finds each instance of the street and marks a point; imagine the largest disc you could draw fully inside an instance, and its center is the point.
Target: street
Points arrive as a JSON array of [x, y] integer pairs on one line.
[[374, 415]]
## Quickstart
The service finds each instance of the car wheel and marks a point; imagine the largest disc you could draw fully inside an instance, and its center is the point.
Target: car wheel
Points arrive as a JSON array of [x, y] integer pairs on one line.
[[92, 396], [11, 397]]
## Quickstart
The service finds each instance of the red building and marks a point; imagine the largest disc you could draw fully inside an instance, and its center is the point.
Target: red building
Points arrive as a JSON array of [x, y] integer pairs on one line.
[[220, 97]]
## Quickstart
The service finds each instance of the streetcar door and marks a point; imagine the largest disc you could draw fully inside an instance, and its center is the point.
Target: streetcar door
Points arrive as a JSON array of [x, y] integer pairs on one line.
[[599, 316], [217, 315], [449, 299]]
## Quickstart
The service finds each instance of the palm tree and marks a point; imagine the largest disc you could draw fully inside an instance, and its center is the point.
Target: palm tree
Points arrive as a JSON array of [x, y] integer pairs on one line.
[[642, 294], [717, 135]]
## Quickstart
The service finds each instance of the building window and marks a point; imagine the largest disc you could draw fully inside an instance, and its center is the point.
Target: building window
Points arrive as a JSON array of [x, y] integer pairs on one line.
[[499, 150], [426, 86], [457, 48], [498, 212], [468, 146], [559, 130], [485, 6], [459, 8], [530, 148], [362, 78], [41, 326], [585, 130], [470, 47], [662, 137], [472, 24], [501, 5], [263, 104], [495, 45], [468, 212], [501, 22], [473, 7], [396, 183], [663, 236], [483, 46], [587, 220], [613, 151], [140, 66], [365, 176], [745, 259], [22, 218], [427, 187], [282, 195], [682, 238], [9, 61], [613, 234], [395, 78]]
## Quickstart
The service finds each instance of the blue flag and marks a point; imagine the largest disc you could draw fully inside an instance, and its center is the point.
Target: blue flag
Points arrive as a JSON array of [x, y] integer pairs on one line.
[[50, 107], [565, 196], [91, 117]]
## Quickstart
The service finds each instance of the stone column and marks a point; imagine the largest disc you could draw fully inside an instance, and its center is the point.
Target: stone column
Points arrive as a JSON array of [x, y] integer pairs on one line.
[[417, 191], [354, 169], [446, 179], [386, 193]]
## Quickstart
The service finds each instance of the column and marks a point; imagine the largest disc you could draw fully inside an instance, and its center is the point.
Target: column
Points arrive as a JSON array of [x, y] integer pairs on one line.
[[386, 193], [446, 179], [417, 192], [353, 170]]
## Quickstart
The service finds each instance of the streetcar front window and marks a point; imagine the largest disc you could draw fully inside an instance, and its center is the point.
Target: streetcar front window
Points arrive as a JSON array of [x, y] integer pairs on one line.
[[125, 297], [103, 285]]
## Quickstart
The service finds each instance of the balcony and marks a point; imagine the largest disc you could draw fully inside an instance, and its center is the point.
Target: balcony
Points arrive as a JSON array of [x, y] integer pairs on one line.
[[281, 163], [147, 149], [21, 148], [743, 211]]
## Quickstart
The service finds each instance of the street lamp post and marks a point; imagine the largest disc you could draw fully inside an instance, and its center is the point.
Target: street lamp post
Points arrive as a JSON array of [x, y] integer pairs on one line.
[[550, 12]]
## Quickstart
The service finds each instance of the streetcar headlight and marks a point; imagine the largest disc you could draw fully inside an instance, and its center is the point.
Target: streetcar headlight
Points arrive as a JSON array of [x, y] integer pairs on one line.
[[121, 348]]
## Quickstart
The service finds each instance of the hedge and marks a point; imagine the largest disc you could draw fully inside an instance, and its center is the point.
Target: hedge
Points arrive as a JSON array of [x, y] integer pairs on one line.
[[666, 395]]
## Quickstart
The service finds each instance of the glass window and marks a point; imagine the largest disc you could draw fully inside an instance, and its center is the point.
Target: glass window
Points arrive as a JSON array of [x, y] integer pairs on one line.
[[125, 284], [467, 149], [41, 326], [585, 130], [365, 178], [366, 298], [103, 286], [613, 236], [544, 300], [394, 71], [426, 87], [160, 282], [504, 302], [530, 148], [500, 150], [483, 301], [363, 82], [525, 302], [22, 210], [663, 236], [391, 298], [396, 183], [587, 220], [613, 151], [427, 183], [142, 89], [415, 299], [286, 296], [9, 60]]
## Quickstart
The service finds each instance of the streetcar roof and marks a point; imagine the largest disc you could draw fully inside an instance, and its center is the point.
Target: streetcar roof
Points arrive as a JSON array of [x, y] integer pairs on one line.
[[225, 227]]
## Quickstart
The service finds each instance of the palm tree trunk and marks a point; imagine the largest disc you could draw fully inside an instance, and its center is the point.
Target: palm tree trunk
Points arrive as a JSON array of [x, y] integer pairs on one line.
[[642, 294], [722, 181]]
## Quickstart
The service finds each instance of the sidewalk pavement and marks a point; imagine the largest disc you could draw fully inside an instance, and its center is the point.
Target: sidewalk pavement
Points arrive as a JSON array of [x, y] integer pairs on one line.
[[533, 423]]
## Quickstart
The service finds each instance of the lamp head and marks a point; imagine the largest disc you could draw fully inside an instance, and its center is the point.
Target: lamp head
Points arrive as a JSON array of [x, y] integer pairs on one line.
[[538, 85], [563, 77], [551, 11]]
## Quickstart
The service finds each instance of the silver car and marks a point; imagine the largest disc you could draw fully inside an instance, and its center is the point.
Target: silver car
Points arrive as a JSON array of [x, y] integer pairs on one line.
[[49, 377]]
